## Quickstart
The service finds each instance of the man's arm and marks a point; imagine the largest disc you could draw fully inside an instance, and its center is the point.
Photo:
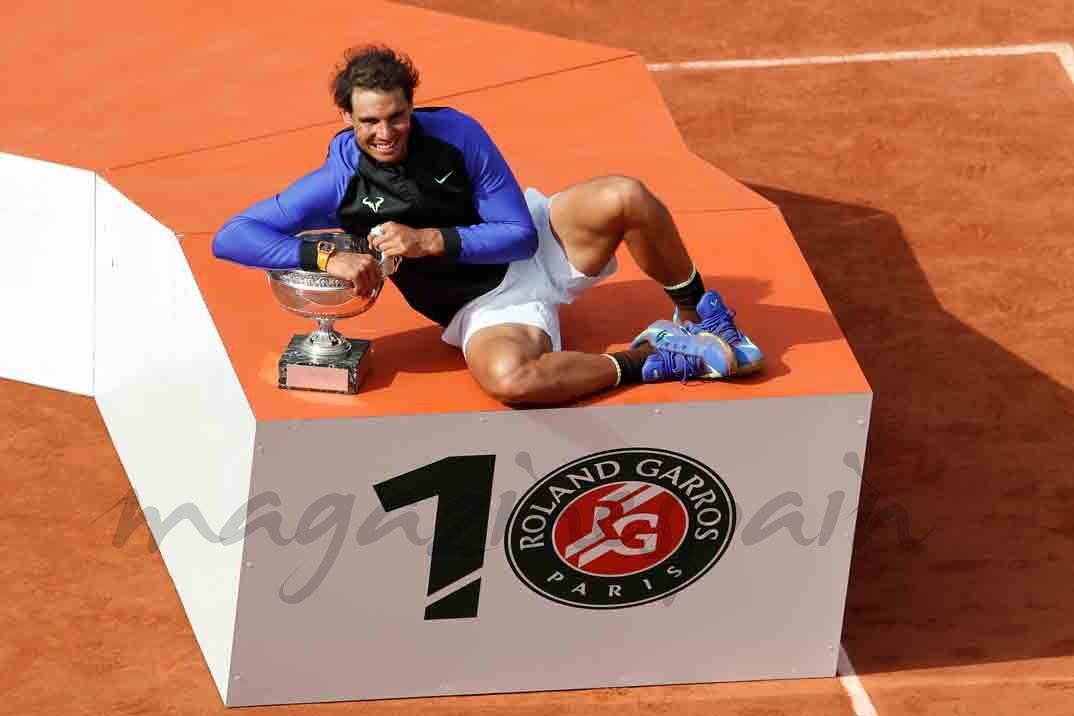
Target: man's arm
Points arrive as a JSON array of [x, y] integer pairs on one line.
[[507, 232], [262, 235]]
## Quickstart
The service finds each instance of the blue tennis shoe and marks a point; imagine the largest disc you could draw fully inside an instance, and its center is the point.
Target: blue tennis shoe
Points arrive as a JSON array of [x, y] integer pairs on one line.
[[656, 331], [717, 319], [682, 356]]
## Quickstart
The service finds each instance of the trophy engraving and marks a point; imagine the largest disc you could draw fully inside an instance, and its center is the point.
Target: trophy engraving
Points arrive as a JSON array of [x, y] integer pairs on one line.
[[325, 360]]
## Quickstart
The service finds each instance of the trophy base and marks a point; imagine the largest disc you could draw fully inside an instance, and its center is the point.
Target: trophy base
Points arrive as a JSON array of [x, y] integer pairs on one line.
[[338, 374]]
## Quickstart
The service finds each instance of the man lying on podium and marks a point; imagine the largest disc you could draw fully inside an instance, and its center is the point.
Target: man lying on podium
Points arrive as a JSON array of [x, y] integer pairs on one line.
[[485, 261]]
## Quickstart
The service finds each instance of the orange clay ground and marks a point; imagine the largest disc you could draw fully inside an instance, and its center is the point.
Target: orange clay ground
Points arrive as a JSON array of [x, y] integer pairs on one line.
[[933, 202]]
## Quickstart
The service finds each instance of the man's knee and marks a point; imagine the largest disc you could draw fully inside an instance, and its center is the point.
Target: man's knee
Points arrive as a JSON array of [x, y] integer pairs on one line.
[[510, 382], [624, 196]]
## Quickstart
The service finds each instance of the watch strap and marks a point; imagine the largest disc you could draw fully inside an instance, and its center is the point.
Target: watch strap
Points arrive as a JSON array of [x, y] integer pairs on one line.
[[307, 256], [325, 249]]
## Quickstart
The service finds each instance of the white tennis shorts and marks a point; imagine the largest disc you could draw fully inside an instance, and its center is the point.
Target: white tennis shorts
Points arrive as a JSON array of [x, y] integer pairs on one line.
[[532, 290]]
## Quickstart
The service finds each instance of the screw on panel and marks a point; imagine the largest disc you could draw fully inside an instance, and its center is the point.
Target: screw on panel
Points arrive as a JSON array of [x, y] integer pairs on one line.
[[656, 411], [860, 421], [237, 677], [483, 419], [249, 565], [260, 449]]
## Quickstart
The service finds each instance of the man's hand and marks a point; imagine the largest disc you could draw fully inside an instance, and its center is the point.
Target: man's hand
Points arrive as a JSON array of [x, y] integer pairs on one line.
[[360, 269], [394, 239]]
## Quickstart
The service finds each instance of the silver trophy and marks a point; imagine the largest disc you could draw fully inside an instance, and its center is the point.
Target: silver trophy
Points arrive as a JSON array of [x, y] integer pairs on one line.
[[325, 360]]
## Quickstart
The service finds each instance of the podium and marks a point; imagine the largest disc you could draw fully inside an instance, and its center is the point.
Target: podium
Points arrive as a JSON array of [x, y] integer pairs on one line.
[[419, 538]]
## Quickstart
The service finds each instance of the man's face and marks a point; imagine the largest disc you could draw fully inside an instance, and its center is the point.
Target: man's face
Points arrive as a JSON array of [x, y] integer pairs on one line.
[[381, 122]]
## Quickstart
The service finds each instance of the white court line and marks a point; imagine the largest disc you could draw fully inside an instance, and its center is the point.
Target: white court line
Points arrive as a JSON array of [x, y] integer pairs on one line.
[[859, 699], [1063, 51]]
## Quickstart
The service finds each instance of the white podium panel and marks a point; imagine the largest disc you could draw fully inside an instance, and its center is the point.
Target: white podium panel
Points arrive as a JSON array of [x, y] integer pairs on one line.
[[46, 295], [175, 411], [451, 554]]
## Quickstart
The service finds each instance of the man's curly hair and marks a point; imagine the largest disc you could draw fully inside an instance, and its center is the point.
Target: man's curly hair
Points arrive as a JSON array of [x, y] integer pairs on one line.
[[373, 67]]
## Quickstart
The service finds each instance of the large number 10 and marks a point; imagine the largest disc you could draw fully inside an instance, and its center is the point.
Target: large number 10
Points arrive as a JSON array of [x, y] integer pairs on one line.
[[463, 485]]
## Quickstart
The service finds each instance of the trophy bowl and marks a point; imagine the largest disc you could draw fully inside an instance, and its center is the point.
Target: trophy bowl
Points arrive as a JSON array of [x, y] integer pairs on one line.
[[317, 295], [325, 360], [326, 299]]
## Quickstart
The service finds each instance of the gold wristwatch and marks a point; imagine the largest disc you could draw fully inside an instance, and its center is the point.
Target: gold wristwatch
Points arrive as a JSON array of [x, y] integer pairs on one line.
[[325, 249]]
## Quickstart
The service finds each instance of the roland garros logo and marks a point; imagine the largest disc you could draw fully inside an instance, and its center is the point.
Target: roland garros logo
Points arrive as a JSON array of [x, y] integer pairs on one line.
[[620, 528]]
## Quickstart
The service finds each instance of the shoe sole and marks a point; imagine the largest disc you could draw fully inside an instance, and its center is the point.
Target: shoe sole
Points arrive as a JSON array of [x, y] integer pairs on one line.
[[752, 368], [739, 369]]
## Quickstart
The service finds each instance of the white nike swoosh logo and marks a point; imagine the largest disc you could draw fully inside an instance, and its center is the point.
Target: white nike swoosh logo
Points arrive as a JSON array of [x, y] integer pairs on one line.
[[441, 181]]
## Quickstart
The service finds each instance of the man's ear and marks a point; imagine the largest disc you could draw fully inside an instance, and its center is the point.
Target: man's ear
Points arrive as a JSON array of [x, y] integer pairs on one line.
[[348, 118]]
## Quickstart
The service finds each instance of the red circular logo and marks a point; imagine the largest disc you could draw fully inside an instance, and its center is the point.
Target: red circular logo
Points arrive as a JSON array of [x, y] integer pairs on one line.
[[620, 528]]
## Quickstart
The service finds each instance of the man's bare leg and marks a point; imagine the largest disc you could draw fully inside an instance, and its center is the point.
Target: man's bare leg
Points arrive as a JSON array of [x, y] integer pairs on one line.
[[592, 218], [516, 365]]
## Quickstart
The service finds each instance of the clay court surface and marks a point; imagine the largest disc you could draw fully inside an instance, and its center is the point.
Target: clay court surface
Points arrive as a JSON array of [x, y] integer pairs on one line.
[[933, 200]]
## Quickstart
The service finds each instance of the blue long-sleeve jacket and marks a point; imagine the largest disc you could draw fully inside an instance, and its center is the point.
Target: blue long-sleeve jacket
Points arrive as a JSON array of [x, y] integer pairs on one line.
[[454, 179]]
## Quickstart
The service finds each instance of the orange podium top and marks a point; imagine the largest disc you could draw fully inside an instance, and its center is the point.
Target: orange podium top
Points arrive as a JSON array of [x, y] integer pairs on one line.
[[748, 255]]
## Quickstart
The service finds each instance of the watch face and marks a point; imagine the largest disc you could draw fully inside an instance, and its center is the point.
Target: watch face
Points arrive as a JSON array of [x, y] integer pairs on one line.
[[325, 247]]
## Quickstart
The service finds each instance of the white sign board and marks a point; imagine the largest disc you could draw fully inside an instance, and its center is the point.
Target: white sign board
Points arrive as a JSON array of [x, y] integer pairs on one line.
[[552, 549]]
